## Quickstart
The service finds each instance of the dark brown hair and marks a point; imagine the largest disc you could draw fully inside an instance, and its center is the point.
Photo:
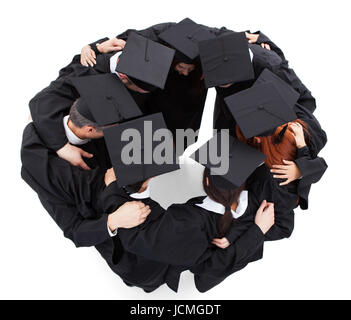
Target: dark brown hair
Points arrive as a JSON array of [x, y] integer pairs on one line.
[[226, 197]]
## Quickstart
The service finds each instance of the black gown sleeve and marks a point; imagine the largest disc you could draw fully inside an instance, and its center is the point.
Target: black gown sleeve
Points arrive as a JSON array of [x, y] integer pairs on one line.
[[222, 263], [265, 187], [175, 237], [66, 192], [311, 170], [50, 105], [94, 44], [150, 33], [276, 62]]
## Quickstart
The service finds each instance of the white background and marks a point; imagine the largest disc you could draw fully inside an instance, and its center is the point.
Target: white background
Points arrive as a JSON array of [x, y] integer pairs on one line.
[[40, 37]]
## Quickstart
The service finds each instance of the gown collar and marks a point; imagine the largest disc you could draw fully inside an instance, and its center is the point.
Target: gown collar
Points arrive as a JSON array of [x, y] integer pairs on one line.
[[143, 195], [113, 62], [211, 205]]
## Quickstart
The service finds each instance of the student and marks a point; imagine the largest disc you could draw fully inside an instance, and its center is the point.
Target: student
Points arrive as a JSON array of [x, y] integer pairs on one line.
[[49, 107], [78, 202], [269, 119], [183, 234], [182, 100], [223, 57]]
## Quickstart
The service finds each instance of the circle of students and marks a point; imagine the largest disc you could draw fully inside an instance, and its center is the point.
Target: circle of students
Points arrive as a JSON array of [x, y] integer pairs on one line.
[[77, 153]]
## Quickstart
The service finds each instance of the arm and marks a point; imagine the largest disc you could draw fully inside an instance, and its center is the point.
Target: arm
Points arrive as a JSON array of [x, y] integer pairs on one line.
[[175, 237], [275, 61], [48, 108], [247, 248]]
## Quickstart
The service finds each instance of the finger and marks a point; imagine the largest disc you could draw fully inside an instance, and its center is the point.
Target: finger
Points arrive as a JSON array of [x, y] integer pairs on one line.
[[145, 210], [286, 182], [86, 154], [263, 205], [279, 171], [279, 166], [90, 63], [288, 162], [268, 47], [92, 60], [84, 166], [262, 45], [281, 176], [93, 54], [140, 205], [146, 214]]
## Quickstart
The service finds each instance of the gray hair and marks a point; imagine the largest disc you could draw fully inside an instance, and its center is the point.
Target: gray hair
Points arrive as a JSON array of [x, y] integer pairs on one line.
[[80, 121]]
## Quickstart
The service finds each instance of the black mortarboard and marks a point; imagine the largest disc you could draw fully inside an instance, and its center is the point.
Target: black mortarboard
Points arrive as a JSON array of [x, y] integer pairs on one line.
[[185, 37], [141, 132], [287, 92], [145, 60], [259, 110], [226, 59], [104, 99], [242, 160]]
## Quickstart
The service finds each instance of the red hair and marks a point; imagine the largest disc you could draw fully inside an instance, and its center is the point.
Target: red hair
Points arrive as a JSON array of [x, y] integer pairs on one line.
[[272, 146]]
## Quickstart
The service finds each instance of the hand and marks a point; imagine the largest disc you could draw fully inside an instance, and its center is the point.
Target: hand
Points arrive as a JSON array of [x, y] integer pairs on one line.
[[221, 243], [74, 156], [298, 134], [253, 39], [289, 171], [110, 176], [130, 215], [265, 216], [87, 56], [113, 44]]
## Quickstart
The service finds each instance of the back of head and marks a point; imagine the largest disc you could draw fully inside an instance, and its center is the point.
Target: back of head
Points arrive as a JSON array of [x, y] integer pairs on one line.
[[225, 197], [78, 119]]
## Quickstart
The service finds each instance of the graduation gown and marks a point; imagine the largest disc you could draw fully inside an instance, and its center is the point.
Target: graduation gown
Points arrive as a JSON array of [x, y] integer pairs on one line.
[[76, 201], [181, 235], [311, 166]]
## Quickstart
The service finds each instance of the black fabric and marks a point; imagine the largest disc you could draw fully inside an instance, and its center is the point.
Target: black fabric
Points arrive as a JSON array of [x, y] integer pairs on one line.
[[267, 188], [181, 102], [79, 203]]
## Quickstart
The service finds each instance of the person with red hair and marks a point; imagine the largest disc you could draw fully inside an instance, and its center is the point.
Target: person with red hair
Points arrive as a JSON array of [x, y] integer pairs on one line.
[[292, 155]]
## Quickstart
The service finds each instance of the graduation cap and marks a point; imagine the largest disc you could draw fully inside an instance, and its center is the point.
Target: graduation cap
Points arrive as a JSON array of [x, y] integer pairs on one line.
[[288, 93], [260, 110], [134, 160], [185, 37], [242, 160], [226, 59], [104, 99], [144, 60]]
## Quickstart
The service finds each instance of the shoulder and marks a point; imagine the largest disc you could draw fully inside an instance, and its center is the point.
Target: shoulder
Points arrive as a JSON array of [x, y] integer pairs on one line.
[[264, 58]]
